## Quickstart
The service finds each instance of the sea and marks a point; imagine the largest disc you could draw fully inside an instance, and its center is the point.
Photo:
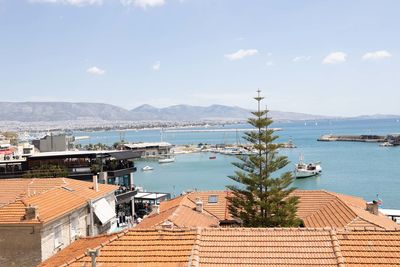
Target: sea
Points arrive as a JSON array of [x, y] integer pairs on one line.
[[361, 169]]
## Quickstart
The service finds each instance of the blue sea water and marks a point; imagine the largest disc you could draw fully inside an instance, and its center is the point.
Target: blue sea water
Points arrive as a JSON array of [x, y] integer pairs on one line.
[[361, 169]]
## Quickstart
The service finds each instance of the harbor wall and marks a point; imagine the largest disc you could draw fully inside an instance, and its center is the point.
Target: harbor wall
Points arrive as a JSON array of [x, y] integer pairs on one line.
[[353, 138]]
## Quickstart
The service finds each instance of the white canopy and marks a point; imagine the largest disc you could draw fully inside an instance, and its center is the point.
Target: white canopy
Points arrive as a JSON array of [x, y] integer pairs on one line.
[[103, 211]]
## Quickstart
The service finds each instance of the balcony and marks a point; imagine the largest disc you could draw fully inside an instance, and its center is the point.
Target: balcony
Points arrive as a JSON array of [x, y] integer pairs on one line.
[[124, 194]]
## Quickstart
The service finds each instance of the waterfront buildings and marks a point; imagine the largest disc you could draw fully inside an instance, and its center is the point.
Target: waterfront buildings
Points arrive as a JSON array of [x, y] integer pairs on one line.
[[51, 142], [150, 150], [39, 217]]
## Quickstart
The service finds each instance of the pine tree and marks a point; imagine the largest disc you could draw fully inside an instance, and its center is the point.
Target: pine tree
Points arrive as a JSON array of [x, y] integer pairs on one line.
[[260, 200]]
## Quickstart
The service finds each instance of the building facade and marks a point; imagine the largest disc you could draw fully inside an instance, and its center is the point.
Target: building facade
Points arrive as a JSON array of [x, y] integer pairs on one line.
[[39, 217]]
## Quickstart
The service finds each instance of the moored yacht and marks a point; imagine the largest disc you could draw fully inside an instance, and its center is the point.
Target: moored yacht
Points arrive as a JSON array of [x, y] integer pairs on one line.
[[167, 159], [303, 170]]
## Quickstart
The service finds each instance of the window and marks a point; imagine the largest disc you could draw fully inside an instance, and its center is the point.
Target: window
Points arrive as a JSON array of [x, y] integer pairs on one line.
[[213, 199], [57, 237], [74, 227]]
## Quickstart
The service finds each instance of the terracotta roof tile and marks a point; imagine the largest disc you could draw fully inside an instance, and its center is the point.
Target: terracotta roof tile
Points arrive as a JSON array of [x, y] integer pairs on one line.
[[77, 249], [240, 247], [319, 208], [145, 248], [53, 197], [370, 248], [180, 216], [218, 209]]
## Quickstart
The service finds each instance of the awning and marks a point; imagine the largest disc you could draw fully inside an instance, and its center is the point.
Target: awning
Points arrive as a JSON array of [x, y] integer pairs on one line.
[[103, 211]]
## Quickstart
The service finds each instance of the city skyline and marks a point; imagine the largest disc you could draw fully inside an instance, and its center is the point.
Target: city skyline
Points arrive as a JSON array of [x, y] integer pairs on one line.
[[327, 58]]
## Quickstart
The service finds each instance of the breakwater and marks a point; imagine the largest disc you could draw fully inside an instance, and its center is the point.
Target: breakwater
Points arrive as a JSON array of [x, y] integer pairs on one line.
[[353, 138]]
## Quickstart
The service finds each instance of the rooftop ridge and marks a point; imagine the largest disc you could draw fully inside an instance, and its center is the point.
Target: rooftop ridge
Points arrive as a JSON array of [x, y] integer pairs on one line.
[[336, 197], [364, 219], [371, 229], [194, 258], [336, 248]]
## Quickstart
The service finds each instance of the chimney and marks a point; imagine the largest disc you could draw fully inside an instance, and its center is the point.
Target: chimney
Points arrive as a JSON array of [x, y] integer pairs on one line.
[[372, 207], [199, 205], [167, 225], [93, 253], [95, 183], [31, 212]]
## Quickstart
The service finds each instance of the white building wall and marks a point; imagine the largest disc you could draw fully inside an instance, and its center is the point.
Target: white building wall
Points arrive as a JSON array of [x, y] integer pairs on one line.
[[48, 232]]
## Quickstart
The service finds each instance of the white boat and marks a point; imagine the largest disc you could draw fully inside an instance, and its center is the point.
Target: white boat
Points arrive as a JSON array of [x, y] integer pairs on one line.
[[147, 168], [386, 144], [167, 160], [304, 170]]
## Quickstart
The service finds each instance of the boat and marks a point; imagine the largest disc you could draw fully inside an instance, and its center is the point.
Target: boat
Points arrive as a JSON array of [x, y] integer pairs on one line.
[[304, 170], [168, 159], [386, 144], [212, 157], [289, 144], [147, 168]]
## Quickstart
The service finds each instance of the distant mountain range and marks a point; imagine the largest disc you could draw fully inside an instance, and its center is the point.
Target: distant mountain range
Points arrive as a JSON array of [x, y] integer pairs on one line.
[[63, 111]]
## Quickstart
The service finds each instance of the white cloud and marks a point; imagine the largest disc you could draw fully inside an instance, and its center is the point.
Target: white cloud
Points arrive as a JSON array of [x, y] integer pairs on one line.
[[70, 2], [335, 58], [143, 3], [376, 55], [269, 63], [301, 58], [157, 65], [95, 71], [242, 54]]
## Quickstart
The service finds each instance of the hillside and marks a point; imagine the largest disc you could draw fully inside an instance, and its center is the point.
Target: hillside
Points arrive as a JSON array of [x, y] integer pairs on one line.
[[63, 111]]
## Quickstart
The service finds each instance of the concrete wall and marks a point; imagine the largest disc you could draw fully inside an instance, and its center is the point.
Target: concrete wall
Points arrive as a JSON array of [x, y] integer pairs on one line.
[[20, 246], [51, 143]]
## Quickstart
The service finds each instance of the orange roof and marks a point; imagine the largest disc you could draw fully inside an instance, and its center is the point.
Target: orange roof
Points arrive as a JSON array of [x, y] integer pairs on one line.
[[53, 197], [239, 247], [143, 248], [370, 248], [77, 249], [15, 189], [218, 209], [180, 216], [319, 208], [266, 247]]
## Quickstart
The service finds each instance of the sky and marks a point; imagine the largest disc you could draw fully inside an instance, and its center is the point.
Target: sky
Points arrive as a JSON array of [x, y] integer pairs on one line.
[[335, 57]]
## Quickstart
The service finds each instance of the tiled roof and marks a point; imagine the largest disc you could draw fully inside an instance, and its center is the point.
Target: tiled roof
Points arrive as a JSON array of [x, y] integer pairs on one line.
[[240, 247], [319, 208], [266, 247], [144, 248], [370, 248], [180, 216], [77, 249], [53, 197], [218, 209], [15, 189]]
